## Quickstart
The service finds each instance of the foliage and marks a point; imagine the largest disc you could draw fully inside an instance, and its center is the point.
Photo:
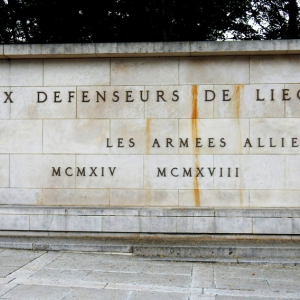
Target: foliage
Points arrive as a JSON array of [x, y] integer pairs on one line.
[[76, 21]]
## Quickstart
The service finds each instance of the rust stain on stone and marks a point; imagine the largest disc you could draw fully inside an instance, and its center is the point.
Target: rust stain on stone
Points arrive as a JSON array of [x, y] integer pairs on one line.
[[237, 102], [148, 136], [194, 117], [237, 99], [195, 102]]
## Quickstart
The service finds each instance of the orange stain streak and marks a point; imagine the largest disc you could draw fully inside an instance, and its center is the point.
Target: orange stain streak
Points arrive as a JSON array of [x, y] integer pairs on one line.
[[195, 116], [237, 97], [237, 100]]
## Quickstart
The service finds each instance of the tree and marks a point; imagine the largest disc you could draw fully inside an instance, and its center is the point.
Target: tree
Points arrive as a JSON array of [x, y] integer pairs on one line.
[[54, 21], [276, 19]]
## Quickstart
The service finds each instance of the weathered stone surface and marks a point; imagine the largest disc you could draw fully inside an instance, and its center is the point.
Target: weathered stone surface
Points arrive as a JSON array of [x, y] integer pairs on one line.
[[274, 69], [144, 71], [4, 105], [35, 171], [17, 73], [4, 170], [118, 171], [70, 72], [147, 126], [214, 70], [28, 133], [102, 102], [119, 197], [26, 105], [75, 136], [75, 197]]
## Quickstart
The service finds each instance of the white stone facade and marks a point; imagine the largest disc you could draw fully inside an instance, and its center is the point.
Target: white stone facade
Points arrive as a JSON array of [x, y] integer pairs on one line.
[[175, 125]]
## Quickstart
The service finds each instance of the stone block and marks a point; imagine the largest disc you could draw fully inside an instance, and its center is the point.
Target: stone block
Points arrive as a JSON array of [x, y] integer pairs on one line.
[[196, 225], [26, 105], [272, 226], [72, 72], [4, 171], [274, 69], [267, 108], [36, 171], [233, 225], [102, 102], [25, 73], [20, 196], [158, 171], [78, 197], [214, 198], [253, 213], [227, 100], [5, 102], [214, 136], [103, 211], [28, 133], [113, 171], [75, 136], [255, 172], [146, 198], [244, 101], [48, 222], [274, 198], [292, 108], [150, 136], [4, 73], [176, 212], [158, 224], [292, 171], [144, 71], [277, 136], [296, 225], [14, 222], [214, 70], [84, 223], [120, 224], [181, 101]]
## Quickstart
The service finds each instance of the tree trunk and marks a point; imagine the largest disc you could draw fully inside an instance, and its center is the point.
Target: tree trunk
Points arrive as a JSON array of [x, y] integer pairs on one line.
[[293, 14]]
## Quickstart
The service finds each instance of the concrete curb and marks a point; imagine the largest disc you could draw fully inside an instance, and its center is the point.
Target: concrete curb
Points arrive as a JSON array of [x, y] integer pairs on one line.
[[204, 250]]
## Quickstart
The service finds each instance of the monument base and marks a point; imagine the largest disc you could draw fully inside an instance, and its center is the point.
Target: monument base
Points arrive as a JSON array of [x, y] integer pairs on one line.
[[93, 221]]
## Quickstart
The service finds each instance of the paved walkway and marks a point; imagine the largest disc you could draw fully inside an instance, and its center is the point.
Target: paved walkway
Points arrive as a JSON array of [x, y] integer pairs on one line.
[[71, 275]]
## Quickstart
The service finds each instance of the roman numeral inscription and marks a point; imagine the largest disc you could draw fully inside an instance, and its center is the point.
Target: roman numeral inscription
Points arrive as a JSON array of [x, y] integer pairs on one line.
[[207, 131]]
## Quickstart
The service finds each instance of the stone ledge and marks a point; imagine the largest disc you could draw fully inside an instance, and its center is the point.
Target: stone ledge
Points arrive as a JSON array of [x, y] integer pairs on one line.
[[165, 248], [146, 49], [148, 220]]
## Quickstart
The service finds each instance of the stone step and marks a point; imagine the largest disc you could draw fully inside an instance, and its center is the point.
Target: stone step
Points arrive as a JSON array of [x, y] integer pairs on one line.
[[181, 249]]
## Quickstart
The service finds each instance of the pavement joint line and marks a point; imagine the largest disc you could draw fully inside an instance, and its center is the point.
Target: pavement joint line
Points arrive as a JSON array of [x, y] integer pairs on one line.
[[8, 287], [225, 292], [109, 286], [27, 269], [174, 289]]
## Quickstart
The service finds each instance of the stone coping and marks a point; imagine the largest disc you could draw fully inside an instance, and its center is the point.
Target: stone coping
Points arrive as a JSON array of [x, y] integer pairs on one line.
[[146, 49]]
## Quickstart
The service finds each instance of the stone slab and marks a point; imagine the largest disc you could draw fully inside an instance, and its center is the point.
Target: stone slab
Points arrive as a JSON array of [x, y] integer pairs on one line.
[[195, 48], [151, 128]]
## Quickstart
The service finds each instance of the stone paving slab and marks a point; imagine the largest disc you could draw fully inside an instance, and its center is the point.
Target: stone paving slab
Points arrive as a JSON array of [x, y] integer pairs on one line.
[[76, 275]]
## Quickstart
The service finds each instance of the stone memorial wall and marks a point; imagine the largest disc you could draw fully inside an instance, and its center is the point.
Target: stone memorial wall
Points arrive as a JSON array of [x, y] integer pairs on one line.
[[148, 130]]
